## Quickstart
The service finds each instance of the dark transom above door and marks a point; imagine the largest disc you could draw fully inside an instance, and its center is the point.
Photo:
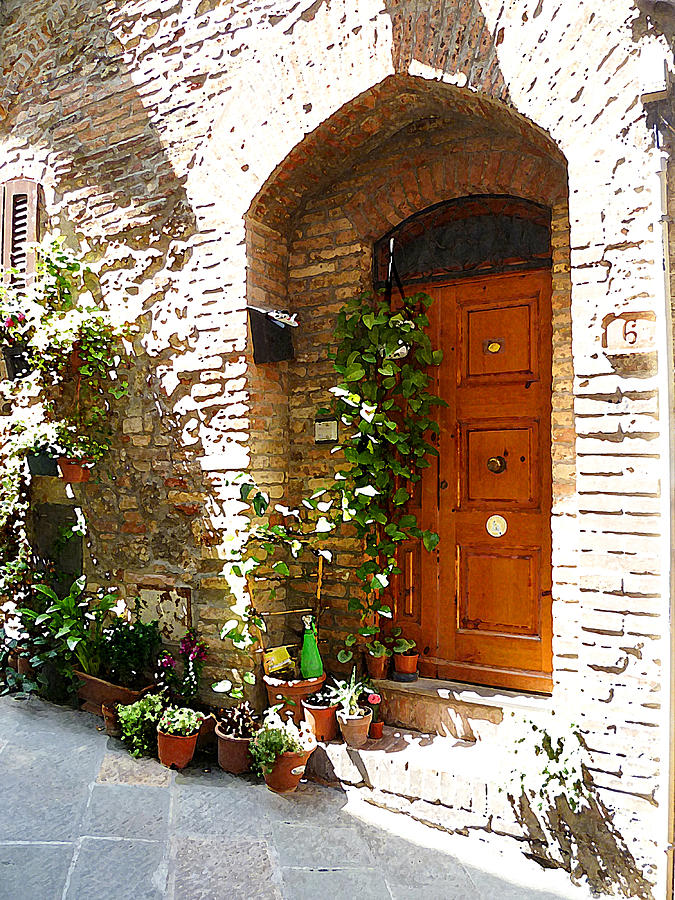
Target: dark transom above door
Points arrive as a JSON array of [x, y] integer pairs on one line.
[[479, 606]]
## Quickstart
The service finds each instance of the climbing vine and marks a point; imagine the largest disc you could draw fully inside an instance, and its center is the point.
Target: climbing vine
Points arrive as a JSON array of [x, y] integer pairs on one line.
[[384, 400]]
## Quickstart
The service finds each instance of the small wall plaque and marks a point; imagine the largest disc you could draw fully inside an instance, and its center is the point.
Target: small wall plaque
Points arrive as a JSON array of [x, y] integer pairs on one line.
[[325, 431], [629, 332]]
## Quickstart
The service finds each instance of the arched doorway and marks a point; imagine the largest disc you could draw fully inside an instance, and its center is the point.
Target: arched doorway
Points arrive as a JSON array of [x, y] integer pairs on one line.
[[479, 605]]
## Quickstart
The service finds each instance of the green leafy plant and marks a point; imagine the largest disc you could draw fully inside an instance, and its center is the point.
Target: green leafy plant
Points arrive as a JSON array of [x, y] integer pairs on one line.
[[404, 646], [130, 651], [139, 721], [378, 649], [180, 721], [277, 736], [384, 355], [74, 624]]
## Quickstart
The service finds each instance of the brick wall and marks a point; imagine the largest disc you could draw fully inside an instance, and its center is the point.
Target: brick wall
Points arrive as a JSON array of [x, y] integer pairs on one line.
[[212, 153]]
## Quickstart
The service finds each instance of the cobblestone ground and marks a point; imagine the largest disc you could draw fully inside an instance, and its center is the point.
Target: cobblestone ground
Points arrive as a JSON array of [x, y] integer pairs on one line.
[[81, 819]]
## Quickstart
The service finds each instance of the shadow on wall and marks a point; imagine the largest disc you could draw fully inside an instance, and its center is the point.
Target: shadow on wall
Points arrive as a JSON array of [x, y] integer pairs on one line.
[[584, 843], [76, 107]]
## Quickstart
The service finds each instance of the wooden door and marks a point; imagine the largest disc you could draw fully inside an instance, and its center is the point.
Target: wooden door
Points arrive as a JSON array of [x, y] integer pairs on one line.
[[479, 606]]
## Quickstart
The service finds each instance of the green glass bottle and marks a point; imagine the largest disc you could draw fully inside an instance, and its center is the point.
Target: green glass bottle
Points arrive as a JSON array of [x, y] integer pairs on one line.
[[311, 665]]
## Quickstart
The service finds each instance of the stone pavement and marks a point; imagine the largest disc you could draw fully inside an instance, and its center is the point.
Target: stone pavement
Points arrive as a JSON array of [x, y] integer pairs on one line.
[[81, 819]]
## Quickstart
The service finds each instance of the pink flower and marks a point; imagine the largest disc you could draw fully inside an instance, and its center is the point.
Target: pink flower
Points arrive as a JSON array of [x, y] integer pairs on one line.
[[374, 699], [20, 317], [9, 322]]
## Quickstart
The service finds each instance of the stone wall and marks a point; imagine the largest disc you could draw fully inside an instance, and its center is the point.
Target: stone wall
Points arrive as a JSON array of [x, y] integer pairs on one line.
[[170, 138]]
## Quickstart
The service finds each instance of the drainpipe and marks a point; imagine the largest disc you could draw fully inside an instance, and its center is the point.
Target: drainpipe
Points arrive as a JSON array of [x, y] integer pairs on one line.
[[665, 223]]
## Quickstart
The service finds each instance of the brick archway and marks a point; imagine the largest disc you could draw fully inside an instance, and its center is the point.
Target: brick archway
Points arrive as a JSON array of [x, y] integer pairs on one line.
[[403, 146]]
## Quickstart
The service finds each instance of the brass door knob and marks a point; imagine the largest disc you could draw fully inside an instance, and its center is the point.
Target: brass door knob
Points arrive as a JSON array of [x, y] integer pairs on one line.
[[496, 464]]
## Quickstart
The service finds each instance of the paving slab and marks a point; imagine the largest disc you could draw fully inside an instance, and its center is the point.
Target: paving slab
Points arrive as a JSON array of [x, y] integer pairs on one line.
[[337, 884], [113, 869], [232, 869], [131, 811], [34, 871]]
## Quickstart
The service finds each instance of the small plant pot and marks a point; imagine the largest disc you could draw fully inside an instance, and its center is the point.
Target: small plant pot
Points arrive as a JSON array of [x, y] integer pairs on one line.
[[287, 772], [322, 721], [377, 665], [375, 731], [74, 471], [94, 692], [406, 662], [23, 667], [354, 728], [175, 751], [233, 753], [111, 720], [281, 692]]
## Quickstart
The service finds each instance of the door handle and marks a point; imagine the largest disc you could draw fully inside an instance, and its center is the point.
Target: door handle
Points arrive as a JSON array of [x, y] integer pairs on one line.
[[444, 485]]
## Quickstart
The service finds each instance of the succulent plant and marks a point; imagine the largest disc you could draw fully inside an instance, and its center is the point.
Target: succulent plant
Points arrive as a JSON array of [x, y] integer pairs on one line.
[[239, 721]]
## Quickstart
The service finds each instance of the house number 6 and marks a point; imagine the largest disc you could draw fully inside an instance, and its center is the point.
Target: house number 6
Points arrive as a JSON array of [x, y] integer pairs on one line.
[[630, 334]]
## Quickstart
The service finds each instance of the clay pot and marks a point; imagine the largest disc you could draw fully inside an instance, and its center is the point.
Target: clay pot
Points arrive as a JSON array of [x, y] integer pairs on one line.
[[377, 665], [354, 728], [279, 691], [375, 731], [206, 737], [233, 753], [13, 660], [175, 751], [322, 721], [74, 471], [406, 662], [287, 772], [23, 667], [94, 692], [111, 720]]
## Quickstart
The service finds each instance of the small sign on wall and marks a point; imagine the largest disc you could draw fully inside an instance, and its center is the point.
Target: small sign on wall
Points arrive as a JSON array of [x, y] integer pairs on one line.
[[629, 342], [325, 431], [628, 332]]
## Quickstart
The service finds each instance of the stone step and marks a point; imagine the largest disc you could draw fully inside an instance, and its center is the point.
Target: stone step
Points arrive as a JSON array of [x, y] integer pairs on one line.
[[441, 781], [451, 709]]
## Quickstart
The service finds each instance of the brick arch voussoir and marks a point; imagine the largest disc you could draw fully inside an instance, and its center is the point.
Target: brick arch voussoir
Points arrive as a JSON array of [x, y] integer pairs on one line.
[[395, 195]]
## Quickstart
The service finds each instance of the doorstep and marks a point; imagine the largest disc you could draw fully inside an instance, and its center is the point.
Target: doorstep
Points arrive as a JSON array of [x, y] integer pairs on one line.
[[453, 709], [440, 781]]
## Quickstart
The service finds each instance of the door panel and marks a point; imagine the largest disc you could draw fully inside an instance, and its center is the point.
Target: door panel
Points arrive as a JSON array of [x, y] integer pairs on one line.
[[482, 610]]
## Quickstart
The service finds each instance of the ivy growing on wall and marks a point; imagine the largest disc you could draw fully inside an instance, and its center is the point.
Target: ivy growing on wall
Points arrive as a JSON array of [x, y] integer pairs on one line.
[[384, 399]]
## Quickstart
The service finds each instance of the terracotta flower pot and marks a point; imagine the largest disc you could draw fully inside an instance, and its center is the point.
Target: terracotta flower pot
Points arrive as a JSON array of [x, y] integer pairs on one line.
[[74, 471], [233, 753], [406, 662], [23, 667], [375, 731], [280, 691], [354, 728], [176, 750], [94, 692], [287, 772], [111, 720], [377, 665], [321, 720]]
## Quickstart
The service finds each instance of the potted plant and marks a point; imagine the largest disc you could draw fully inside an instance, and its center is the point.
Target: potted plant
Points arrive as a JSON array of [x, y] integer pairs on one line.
[[280, 751], [177, 733], [107, 654], [290, 694], [375, 732], [405, 657], [234, 731], [353, 719], [320, 709], [377, 659], [138, 723]]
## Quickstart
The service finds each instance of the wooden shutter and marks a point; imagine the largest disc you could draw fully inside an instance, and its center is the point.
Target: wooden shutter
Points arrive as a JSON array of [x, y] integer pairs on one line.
[[20, 227]]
